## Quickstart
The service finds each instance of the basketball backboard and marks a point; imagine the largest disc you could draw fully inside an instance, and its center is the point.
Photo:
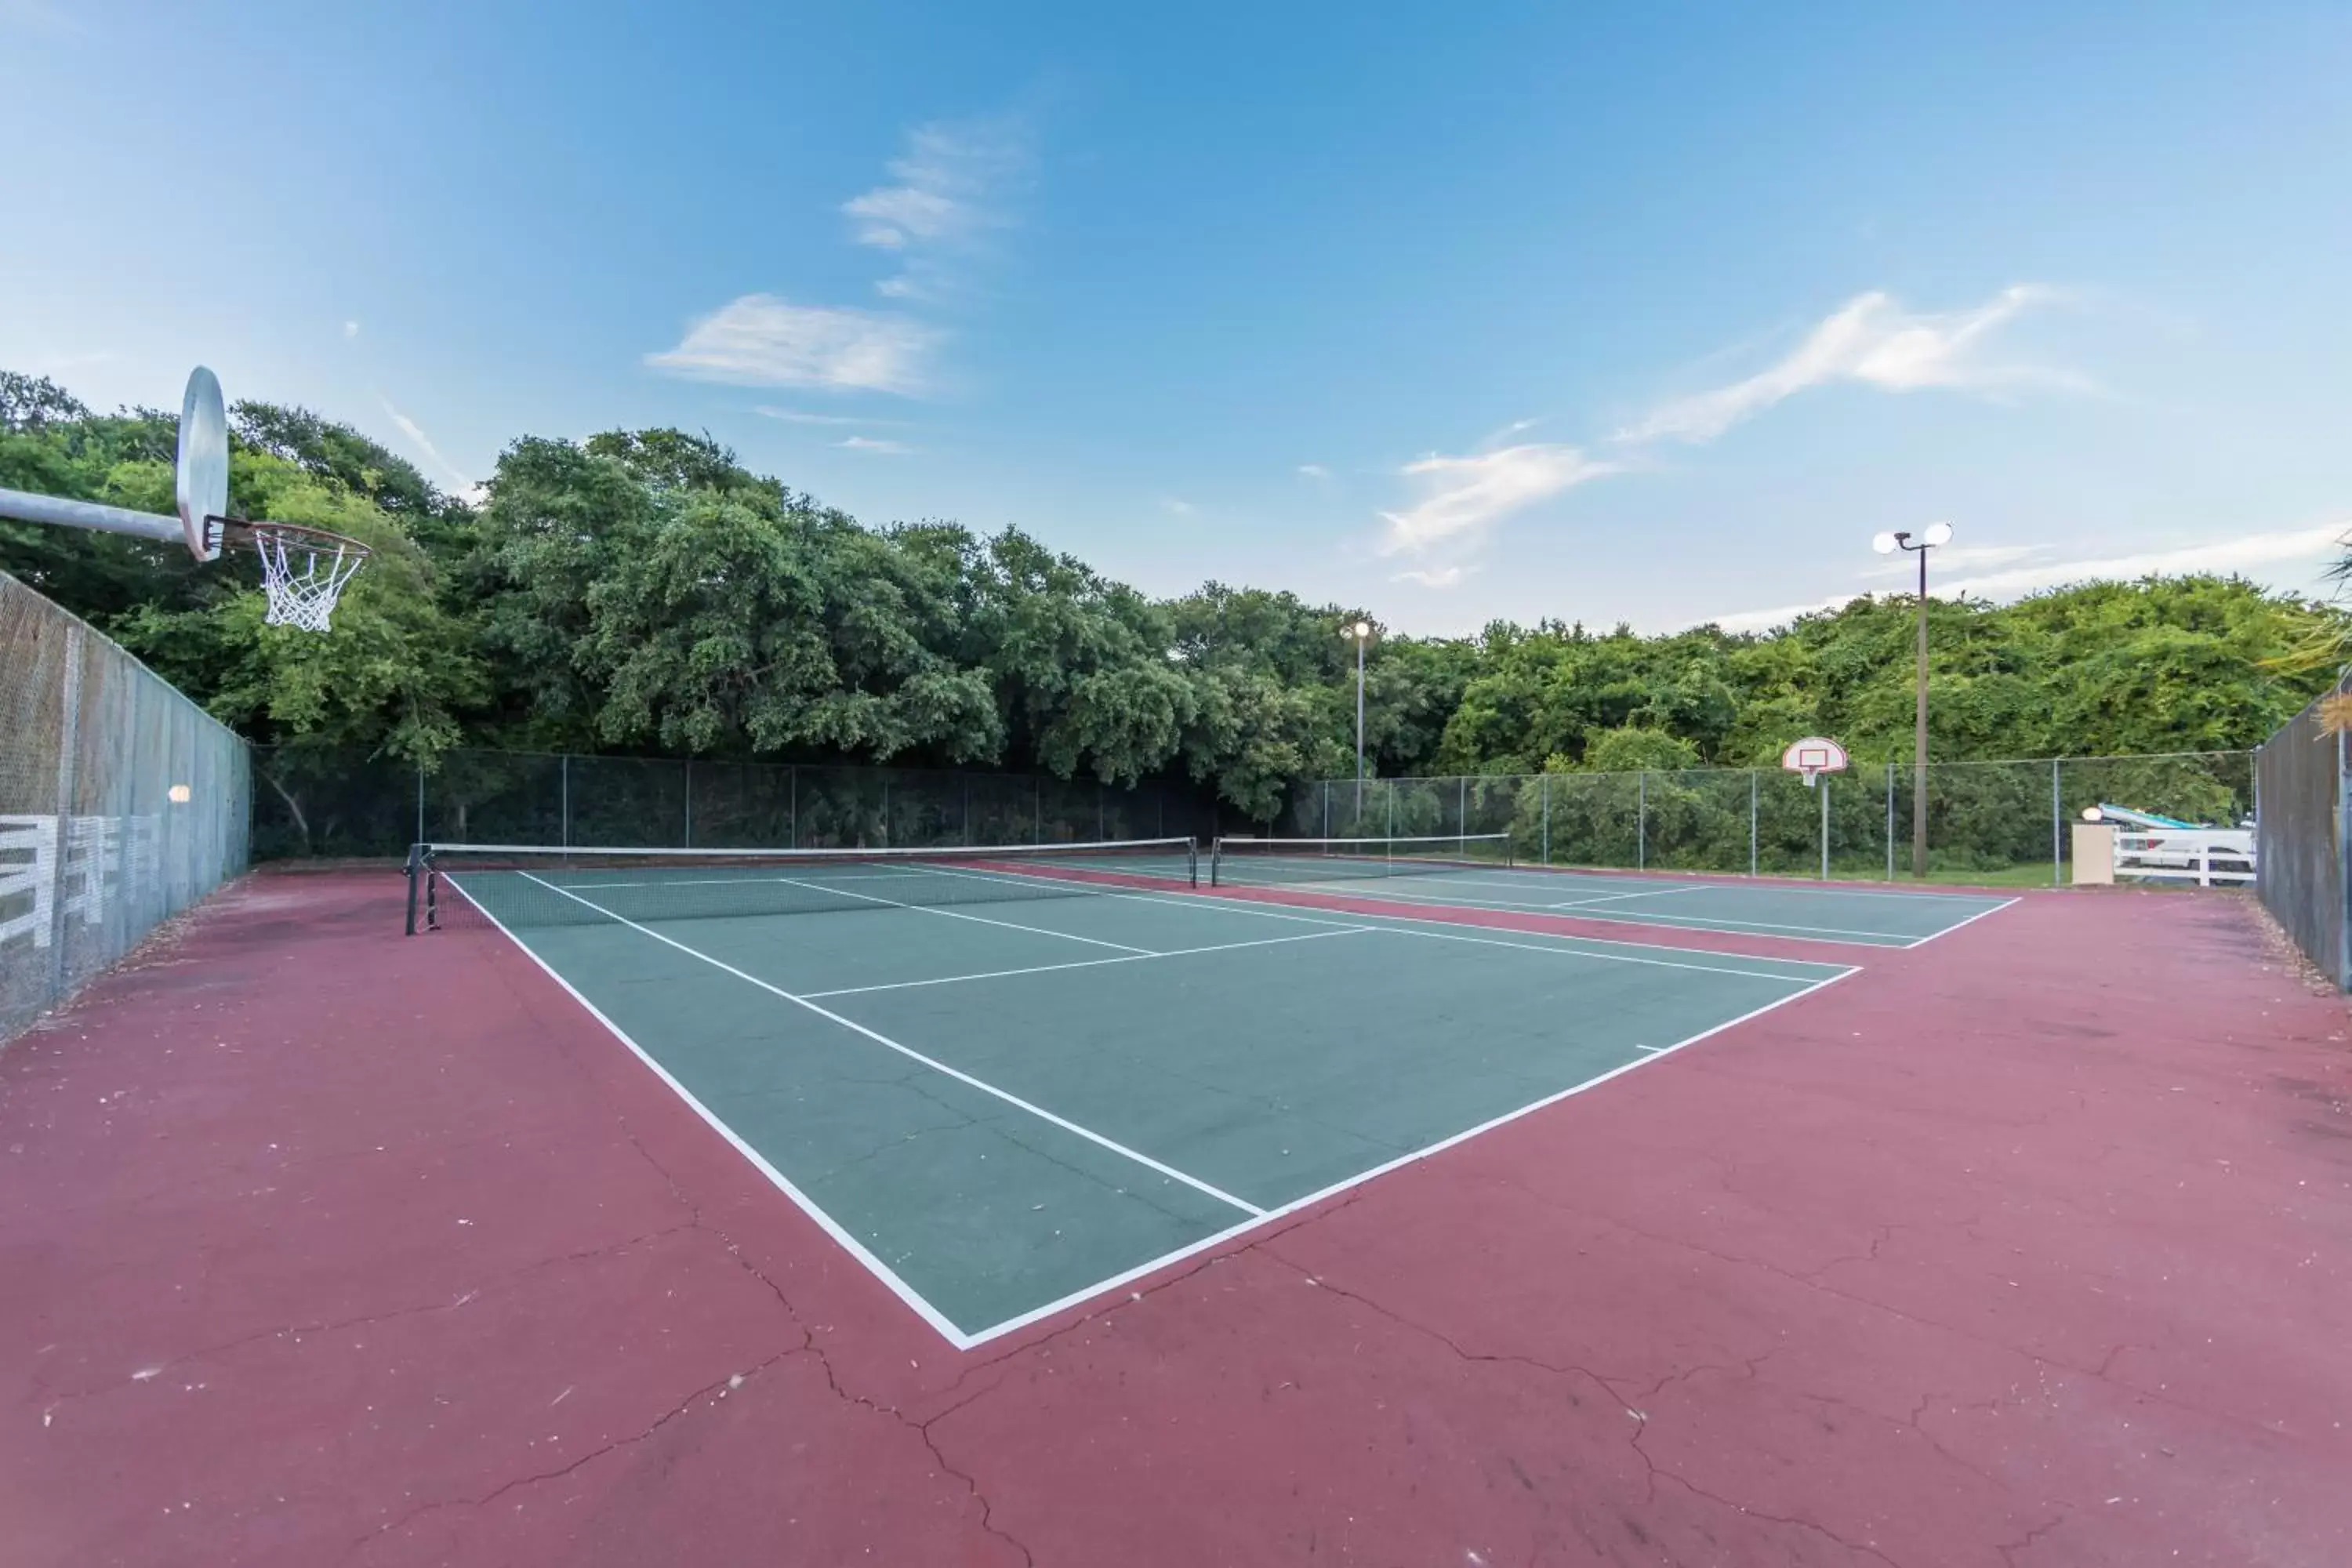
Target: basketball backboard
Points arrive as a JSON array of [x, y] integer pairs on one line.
[[202, 476], [1813, 756]]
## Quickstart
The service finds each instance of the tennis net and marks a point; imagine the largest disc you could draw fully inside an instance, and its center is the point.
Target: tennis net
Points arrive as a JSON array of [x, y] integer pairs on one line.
[[1260, 862], [528, 886]]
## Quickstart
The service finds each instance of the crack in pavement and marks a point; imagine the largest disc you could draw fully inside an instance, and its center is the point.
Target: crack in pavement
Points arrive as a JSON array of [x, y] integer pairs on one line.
[[711, 1392], [718, 1389], [1659, 1472], [1455, 1345], [423, 1309], [810, 1347], [2010, 1549], [1104, 1308], [1652, 1468], [2038, 1358]]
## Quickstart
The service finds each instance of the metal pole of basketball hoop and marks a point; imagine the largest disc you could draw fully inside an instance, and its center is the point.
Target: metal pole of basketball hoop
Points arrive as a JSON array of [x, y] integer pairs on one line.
[[1935, 533], [1816, 757]]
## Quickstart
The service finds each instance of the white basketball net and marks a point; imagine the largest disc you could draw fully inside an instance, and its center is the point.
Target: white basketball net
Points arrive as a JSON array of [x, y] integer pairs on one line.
[[303, 574]]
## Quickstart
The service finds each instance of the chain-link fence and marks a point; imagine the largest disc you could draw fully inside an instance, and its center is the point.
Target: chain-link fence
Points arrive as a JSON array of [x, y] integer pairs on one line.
[[122, 803], [2305, 836], [314, 801], [2002, 822]]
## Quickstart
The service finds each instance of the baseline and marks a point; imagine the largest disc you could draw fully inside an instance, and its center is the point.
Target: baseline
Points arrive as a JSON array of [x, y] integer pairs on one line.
[[1837, 936], [1297, 1205]]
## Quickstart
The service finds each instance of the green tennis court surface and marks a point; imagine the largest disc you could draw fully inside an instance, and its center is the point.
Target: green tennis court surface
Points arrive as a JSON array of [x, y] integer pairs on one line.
[[1829, 912], [1005, 1101]]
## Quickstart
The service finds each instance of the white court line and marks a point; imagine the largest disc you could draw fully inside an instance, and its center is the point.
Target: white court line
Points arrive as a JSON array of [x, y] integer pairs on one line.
[[1075, 1297], [1083, 964], [1195, 901], [912, 873], [1732, 882], [852, 1025], [1509, 876], [1836, 936], [1621, 898], [783, 1184], [955, 915], [1337, 887], [725, 881], [1970, 920], [938, 1320]]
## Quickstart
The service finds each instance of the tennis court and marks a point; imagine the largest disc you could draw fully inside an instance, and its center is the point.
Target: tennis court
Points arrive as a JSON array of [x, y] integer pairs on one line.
[[1466, 873], [1008, 1082]]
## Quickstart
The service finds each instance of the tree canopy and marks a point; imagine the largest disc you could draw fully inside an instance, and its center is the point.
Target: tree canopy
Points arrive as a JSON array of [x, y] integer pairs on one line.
[[643, 592]]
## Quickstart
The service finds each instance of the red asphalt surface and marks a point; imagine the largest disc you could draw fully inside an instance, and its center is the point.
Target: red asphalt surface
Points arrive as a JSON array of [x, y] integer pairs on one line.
[[320, 1246]]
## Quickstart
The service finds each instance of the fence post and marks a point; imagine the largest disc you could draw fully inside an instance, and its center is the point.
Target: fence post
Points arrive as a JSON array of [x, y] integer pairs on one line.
[[1461, 810], [1751, 822], [886, 814], [967, 810], [420, 805], [1102, 823], [1391, 832], [2343, 869], [792, 781], [2057, 816], [1326, 808], [690, 802], [1547, 817], [1890, 822], [1641, 820], [1036, 811], [565, 828], [68, 754]]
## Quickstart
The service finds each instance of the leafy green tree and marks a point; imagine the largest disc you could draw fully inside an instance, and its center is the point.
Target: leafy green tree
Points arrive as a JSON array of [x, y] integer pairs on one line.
[[643, 590], [395, 677], [1634, 748]]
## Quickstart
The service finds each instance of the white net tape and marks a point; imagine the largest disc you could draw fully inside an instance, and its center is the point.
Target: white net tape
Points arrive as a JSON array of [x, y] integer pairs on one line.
[[303, 575]]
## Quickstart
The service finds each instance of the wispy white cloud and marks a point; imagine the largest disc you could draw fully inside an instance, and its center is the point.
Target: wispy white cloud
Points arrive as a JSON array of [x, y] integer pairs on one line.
[[802, 416], [1874, 341], [1315, 471], [1949, 558], [2247, 554], [951, 189], [424, 443], [1438, 577], [1461, 497], [876, 445], [350, 331], [2252, 554], [761, 341], [1765, 620], [1176, 508]]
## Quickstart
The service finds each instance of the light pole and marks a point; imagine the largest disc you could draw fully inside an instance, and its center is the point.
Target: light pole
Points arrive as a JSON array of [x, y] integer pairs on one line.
[[1360, 634], [1935, 533]]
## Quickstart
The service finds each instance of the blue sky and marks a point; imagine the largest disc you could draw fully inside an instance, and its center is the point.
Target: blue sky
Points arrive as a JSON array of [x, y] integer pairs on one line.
[[1643, 313]]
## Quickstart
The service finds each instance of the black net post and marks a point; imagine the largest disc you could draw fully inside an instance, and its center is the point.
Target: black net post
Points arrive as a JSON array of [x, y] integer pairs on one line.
[[415, 868]]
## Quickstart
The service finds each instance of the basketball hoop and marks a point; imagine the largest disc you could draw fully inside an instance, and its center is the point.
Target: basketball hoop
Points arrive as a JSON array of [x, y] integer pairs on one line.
[[304, 570], [1813, 756]]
